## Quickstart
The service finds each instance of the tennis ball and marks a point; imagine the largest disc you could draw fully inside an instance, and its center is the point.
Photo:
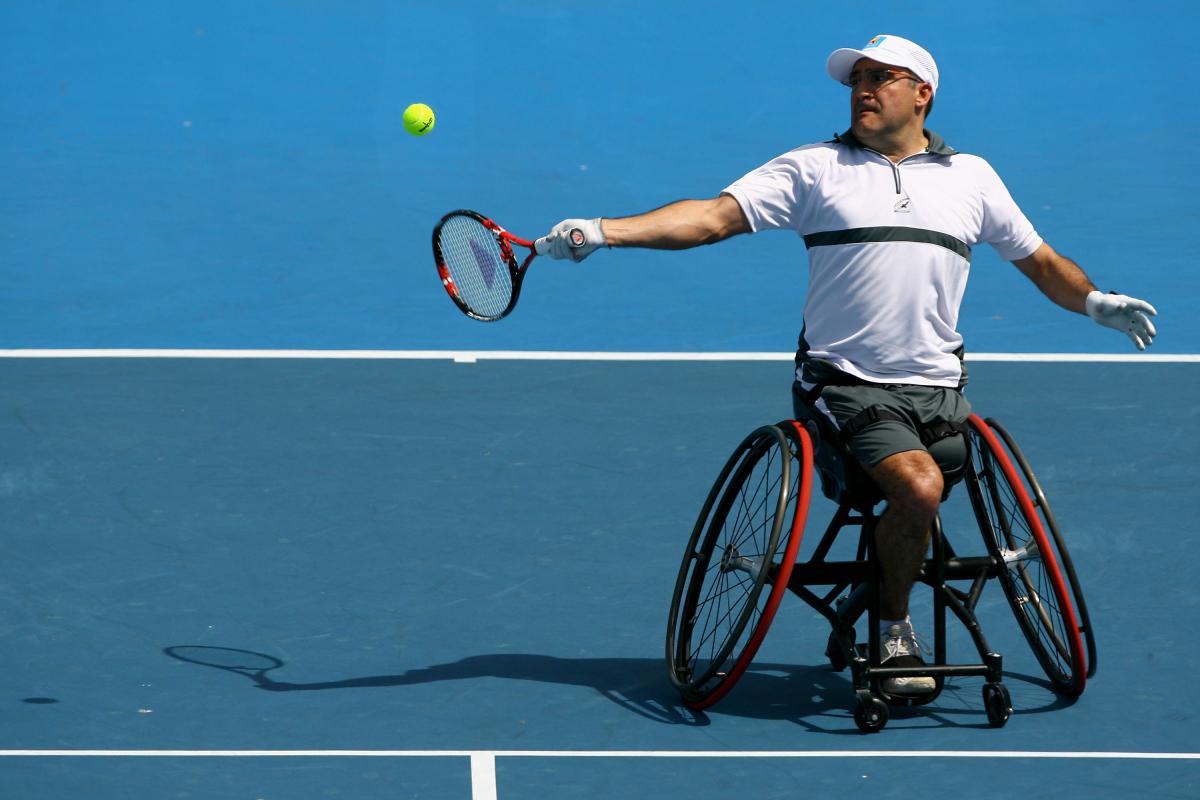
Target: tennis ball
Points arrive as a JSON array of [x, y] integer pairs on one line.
[[418, 119]]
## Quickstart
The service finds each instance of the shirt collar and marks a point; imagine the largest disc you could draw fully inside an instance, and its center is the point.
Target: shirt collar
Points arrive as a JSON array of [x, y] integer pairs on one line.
[[937, 146]]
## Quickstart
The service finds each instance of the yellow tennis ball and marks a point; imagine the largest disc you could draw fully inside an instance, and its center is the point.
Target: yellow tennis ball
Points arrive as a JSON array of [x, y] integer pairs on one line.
[[418, 119]]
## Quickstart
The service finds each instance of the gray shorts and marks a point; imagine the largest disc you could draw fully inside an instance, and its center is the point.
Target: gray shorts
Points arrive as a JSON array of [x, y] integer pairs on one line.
[[920, 409]]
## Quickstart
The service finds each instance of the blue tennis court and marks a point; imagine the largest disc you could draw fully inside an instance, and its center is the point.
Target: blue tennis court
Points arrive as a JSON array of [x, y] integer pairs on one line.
[[280, 522]]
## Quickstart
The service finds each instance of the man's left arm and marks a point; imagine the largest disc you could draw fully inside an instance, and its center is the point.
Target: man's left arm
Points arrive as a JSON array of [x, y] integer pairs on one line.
[[1061, 279]]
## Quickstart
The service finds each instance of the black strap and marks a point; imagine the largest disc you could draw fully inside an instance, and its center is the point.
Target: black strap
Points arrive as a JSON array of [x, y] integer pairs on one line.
[[940, 429], [809, 396], [866, 418], [838, 378], [930, 432]]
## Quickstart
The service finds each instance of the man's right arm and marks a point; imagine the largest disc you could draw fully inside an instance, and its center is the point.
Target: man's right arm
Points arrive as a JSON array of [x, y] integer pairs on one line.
[[677, 226]]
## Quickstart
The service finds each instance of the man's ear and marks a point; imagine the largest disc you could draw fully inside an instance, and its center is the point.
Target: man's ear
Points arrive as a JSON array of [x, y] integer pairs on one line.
[[924, 99]]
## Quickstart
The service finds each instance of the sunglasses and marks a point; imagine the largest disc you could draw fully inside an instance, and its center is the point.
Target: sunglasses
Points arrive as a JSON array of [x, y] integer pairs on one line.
[[877, 78]]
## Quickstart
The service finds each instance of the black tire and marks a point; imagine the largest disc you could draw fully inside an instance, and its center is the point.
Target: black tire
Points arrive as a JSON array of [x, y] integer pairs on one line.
[[997, 703], [1035, 587], [871, 714], [717, 619], [1042, 505]]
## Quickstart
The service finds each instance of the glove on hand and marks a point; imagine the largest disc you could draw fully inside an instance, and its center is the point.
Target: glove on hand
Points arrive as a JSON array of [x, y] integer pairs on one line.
[[575, 239], [1125, 314]]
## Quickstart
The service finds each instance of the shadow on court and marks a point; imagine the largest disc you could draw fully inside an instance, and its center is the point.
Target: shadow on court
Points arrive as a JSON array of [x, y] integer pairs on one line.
[[802, 694]]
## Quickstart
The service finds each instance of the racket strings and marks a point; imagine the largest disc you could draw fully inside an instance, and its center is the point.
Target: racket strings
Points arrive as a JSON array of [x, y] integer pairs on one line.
[[477, 264]]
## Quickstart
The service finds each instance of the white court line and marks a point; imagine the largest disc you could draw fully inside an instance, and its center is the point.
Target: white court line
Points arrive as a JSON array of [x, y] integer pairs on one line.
[[486, 758], [472, 356], [483, 776], [483, 762], [462, 356]]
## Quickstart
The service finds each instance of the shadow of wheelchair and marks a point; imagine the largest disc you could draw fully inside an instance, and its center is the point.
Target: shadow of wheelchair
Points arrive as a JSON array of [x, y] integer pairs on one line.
[[804, 695]]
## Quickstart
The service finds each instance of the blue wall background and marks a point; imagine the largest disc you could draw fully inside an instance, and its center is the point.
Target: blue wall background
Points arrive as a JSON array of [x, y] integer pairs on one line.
[[223, 174]]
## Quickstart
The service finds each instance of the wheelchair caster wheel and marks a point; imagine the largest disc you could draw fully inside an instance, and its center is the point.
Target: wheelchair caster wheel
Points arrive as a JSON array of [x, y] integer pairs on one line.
[[834, 652], [997, 703], [870, 713]]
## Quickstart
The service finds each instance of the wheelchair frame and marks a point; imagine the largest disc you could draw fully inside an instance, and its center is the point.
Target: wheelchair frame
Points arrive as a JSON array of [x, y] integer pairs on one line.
[[1024, 548]]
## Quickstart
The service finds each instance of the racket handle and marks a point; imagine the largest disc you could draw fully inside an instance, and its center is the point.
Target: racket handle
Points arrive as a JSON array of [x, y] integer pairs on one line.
[[576, 239]]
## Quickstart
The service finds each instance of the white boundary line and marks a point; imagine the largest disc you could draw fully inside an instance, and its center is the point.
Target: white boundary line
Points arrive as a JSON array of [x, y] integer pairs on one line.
[[484, 760], [483, 776], [472, 356]]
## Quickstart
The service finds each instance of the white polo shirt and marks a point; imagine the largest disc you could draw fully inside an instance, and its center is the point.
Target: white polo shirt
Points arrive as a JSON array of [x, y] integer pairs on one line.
[[889, 248]]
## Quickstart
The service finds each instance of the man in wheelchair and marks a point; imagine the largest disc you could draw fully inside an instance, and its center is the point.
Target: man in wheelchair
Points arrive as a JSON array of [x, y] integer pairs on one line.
[[906, 443], [889, 214]]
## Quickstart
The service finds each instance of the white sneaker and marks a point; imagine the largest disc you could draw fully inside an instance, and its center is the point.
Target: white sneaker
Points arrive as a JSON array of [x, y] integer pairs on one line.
[[899, 648]]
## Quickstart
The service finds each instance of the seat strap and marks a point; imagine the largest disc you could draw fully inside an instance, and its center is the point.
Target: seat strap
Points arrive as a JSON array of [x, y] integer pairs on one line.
[[867, 417], [941, 429], [810, 396], [929, 432]]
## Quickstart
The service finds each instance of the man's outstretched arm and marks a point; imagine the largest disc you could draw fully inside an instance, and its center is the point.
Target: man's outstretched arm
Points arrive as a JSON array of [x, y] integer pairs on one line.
[[1062, 280], [677, 226]]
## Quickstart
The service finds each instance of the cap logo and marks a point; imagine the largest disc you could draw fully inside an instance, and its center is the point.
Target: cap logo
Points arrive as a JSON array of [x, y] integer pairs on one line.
[[878, 40]]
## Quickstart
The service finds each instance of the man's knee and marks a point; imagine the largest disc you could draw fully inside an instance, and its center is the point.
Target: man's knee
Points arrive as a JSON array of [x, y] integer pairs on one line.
[[911, 481]]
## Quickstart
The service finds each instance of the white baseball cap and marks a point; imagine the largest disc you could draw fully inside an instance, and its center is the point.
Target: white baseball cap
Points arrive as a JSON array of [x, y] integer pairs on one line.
[[886, 49]]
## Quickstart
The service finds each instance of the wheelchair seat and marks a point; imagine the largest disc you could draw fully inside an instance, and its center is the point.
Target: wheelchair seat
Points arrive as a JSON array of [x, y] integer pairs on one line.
[[844, 481]]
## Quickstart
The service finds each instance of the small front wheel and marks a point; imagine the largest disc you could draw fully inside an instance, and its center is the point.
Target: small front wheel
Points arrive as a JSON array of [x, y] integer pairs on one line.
[[870, 713], [997, 703]]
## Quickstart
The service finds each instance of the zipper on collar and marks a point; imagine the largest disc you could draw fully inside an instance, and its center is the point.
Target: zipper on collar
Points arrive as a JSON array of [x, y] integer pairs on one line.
[[895, 167], [936, 147], [895, 173]]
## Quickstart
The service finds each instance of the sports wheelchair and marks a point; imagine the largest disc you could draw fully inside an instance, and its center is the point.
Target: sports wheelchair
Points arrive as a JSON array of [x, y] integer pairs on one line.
[[742, 558]]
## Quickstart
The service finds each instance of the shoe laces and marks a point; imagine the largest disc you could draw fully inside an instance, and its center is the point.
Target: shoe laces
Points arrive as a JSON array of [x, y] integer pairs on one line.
[[902, 640]]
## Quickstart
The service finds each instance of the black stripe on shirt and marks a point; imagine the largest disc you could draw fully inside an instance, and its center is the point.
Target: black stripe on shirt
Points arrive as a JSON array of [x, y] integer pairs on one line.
[[887, 233]]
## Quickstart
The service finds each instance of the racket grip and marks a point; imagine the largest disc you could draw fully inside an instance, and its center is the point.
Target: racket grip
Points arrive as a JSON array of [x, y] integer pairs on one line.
[[541, 246]]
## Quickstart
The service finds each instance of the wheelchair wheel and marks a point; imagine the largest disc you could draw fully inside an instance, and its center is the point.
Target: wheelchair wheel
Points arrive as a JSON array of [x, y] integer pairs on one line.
[[1050, 525], [1032, 579], [743, 540]]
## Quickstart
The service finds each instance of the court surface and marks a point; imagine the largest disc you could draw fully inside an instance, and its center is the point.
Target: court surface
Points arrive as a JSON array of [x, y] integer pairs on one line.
[[479, 557], [240, 417]]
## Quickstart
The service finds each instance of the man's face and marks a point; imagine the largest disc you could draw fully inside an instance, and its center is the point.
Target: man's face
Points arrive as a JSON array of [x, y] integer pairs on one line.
[[883, 98]]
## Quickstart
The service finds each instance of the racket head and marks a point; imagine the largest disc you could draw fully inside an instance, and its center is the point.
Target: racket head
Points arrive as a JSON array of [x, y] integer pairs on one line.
[[476, 263]]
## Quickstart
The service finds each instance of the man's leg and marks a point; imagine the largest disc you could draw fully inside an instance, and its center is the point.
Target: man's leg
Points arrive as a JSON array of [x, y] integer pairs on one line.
[[912, 484]]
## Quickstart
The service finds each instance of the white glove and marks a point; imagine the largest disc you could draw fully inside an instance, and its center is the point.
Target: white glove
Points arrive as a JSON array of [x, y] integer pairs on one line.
[[575, 239], [1125, 314]]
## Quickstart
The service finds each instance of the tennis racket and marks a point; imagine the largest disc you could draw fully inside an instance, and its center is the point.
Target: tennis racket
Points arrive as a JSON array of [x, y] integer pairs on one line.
[[477, 265]]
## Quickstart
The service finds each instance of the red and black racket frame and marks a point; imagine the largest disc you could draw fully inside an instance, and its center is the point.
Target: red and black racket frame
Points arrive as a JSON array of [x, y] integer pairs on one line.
[[505, 240]]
